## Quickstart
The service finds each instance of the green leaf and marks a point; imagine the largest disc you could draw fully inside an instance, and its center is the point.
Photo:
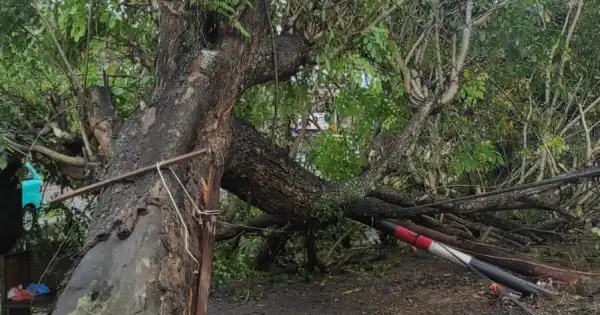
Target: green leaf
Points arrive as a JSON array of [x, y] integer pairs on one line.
[[117, 90], [112, 23], [146, 79], [241, 29]]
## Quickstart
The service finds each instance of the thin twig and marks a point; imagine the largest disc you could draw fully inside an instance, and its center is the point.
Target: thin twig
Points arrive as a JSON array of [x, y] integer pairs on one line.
[[339, 241]]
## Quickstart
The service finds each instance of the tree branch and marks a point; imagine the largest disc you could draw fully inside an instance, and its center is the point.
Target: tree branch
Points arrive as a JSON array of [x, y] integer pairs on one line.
[[517, 200], [483, 18], [399, 150], [56, 156], [281, 187], [255, 224], [292, 51], [459, 62]]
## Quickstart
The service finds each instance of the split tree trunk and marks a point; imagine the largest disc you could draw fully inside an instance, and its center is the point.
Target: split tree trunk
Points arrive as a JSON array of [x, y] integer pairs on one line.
[[135, 259]]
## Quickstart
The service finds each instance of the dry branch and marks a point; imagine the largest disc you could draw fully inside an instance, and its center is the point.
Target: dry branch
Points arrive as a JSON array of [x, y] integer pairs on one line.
[[519, 240], [56, 156]]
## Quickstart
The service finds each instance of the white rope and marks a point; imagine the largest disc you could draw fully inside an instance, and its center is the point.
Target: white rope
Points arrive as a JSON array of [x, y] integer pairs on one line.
[[186, 232], [213, 212], [196, 207]]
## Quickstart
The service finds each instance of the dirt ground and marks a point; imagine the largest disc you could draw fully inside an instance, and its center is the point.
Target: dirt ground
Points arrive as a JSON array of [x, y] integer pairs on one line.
[[416, 285]]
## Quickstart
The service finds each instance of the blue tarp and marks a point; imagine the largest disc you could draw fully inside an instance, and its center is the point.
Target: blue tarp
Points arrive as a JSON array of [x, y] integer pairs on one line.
[[38, 289]]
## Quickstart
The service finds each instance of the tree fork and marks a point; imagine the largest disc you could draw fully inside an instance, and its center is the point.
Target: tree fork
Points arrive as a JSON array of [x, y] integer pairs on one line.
[[148, 270]]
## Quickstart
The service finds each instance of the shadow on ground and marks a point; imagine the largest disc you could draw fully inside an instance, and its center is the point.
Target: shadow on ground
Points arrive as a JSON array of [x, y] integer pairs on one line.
[[416, 286]]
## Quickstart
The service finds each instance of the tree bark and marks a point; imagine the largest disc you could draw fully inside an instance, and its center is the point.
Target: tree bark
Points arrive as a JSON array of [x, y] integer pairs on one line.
[[134, 259], [284, 189]]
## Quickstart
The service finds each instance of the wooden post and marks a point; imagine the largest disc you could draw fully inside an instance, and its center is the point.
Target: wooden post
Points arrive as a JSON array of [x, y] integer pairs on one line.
[[209, 225]]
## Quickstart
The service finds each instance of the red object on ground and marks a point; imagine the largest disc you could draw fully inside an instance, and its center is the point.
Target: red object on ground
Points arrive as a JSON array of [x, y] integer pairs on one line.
[[494, 287], [22, 295]]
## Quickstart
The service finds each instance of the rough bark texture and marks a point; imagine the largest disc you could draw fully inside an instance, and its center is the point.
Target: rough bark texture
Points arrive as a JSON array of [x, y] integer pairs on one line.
[[275, 182], [135, 261], [283, 188], [101, 118]]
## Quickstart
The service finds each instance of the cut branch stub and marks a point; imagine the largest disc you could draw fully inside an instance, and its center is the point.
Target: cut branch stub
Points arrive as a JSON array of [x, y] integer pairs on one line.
[[101, 118]]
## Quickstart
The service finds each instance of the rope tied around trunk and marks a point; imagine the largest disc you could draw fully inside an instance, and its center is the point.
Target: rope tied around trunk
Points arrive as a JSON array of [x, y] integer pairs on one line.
[[186, 231], [197, 209]]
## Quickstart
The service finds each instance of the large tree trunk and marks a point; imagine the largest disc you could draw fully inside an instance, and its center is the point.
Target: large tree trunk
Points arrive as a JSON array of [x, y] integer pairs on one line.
[[283, 188], [135, 260]]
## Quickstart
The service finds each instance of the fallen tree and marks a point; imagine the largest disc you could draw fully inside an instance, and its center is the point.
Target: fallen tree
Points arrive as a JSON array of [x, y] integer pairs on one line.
[[258, 171], [264, 174], [134, 260]]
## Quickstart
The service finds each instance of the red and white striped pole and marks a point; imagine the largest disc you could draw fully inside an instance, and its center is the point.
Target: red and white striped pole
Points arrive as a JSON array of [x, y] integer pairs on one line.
[[444, 251]]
